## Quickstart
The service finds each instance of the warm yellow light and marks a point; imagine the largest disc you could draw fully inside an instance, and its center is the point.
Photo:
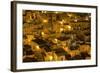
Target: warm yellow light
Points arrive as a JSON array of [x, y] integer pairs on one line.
[[70, 15], [69, 27], [50, 57], [45, 21], [86, 18], [30, 37], [29, 40], [56, 12], [42, 33], [61, 29], [61, 22], [66, 49], [74, 52], [37, 47], [56, 40], [44, 11], [75, 20]]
